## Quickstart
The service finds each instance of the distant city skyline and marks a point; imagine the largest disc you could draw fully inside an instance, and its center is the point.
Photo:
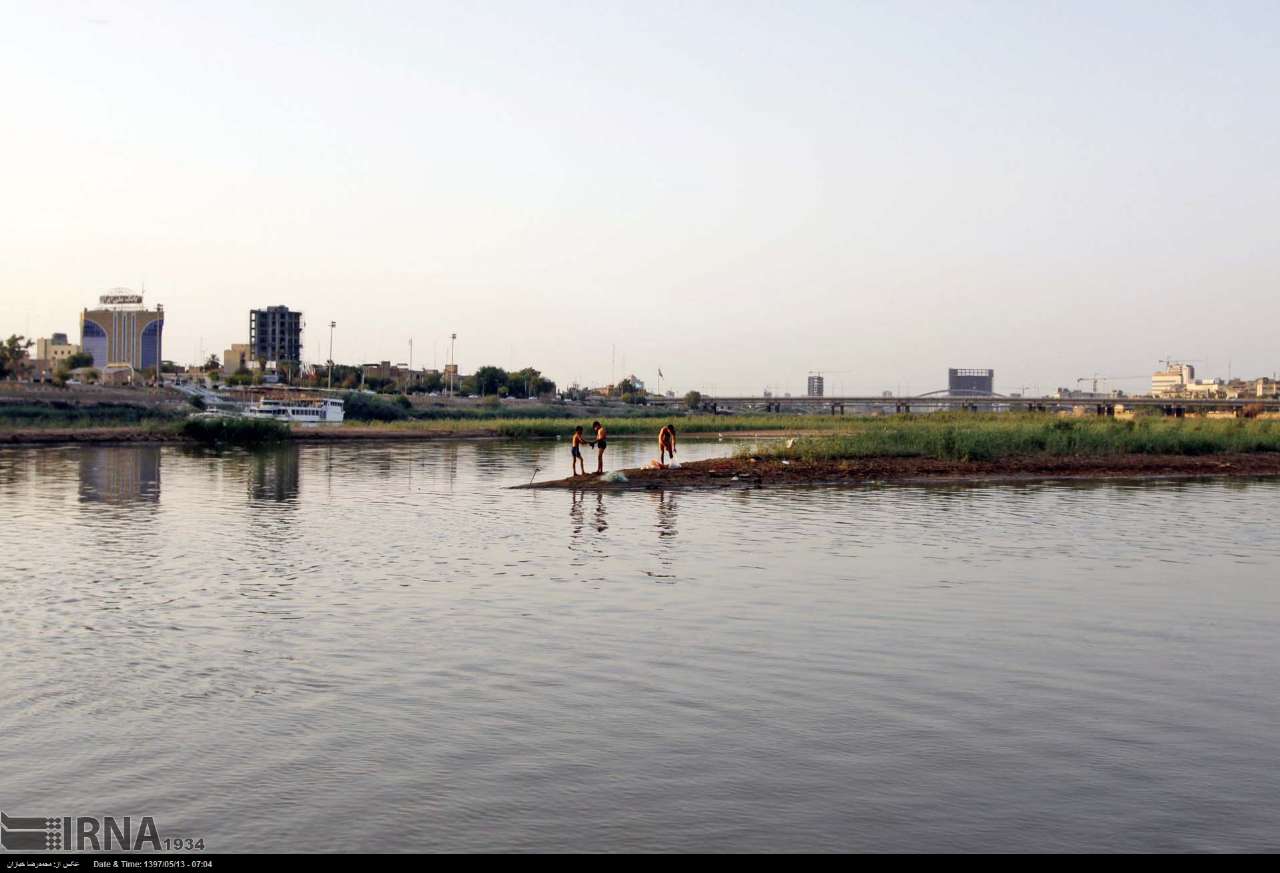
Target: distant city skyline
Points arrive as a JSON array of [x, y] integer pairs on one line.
[[736, 194]]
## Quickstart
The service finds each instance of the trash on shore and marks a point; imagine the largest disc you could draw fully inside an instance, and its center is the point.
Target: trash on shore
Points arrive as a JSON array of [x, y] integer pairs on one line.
[[613, 476]]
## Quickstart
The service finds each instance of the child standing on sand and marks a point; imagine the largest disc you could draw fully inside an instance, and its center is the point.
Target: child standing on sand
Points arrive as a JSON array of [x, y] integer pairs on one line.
[[600, 445], [575, 450]]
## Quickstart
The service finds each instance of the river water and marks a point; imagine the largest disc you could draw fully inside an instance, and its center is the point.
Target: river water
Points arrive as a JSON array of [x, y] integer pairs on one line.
[[380, 647]]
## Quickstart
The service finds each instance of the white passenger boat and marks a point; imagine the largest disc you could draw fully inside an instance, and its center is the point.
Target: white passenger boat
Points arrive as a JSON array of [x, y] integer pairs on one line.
[[320, 410]]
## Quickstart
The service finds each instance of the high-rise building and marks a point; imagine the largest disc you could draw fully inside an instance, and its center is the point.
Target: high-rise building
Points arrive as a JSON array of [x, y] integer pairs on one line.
[[275, 335], [971, 382], [815, 386], [1173, 380], [122, 333]]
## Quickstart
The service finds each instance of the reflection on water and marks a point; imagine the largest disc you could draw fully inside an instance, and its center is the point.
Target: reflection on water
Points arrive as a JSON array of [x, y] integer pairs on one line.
[[275, 474], [382, 647], [109, 475]]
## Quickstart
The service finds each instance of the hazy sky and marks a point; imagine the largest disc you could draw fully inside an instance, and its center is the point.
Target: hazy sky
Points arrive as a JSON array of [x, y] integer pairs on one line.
[[736, 192]]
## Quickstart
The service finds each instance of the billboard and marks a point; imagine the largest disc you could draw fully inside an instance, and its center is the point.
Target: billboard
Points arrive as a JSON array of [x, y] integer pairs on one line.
[[971, 381], [120, 299]]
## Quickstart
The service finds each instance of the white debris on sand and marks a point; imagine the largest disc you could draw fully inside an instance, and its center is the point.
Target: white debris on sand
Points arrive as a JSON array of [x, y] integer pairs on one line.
[[613, 476]]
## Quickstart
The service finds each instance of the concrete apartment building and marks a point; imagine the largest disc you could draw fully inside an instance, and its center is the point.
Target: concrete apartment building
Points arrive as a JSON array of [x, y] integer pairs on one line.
[[815, 387], [275, 335]]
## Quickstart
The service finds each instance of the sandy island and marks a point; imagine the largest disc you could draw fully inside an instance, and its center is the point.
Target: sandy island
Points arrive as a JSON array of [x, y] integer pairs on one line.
[[740, 472]]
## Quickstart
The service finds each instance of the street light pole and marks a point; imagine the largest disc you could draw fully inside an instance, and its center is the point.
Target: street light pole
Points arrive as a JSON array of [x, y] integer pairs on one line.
[[453, 369], [332, 325]]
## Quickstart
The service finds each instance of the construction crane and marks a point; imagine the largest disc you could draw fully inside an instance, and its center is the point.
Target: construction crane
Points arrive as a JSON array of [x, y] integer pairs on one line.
[[1095, 379]]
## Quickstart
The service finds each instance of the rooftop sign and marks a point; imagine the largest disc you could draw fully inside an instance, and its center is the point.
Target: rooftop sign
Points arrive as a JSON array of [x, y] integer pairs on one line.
[[120, 299]]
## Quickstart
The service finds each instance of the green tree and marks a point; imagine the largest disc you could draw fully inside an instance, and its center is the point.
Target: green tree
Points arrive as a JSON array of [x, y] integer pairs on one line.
[[693, 399], [529, 382], [363, 407], [489, 379], [212, 364], [13, 356], [629, 392]]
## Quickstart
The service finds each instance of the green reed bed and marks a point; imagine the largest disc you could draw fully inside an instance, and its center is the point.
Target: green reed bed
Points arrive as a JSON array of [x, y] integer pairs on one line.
[[231, 431], [977, 437], [62, 414]]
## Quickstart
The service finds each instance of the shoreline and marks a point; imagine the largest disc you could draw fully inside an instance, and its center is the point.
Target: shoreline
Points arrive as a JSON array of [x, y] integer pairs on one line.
[[131, 434], [723, 473]]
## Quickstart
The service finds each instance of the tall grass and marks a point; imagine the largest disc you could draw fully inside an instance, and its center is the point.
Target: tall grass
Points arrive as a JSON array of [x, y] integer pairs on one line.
[[61, 413], [228, 431], [976, 437]]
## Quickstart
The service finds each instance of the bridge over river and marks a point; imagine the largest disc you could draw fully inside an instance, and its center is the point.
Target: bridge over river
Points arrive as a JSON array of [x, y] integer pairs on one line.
[[974, 403]]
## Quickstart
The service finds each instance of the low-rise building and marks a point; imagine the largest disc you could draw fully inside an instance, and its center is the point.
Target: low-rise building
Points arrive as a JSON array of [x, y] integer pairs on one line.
[[38, 370], [238, 357], [55, 349], [398, 374], [1208, 389], [1077, 394]]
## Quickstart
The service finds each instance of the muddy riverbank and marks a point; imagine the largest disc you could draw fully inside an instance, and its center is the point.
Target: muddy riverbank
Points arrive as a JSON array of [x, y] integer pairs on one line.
[[739, 472]]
